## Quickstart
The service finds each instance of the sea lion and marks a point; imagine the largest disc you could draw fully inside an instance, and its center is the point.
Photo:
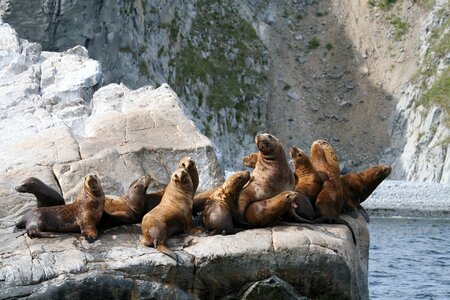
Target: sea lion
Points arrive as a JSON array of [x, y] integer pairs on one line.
[[154, 198], [269, 211], [201, 198], [330, 200], [307, 181], [359, 186], [172, 215], [129, 208], [250, 160], [45, 195], [329, 203], [217, 213], [330, 155], [81, 215], [270, 177]]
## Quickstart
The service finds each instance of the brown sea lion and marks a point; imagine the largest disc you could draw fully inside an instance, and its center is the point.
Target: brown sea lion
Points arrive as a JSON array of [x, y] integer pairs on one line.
[[250, 160], [330, 200], [81, 215], [201, 198], [217, 213], [129, 208], [45, 195], [330, 155], [307, 181], [269, 211], [359, 186], [270, 177], [154, 198], [172, 215]]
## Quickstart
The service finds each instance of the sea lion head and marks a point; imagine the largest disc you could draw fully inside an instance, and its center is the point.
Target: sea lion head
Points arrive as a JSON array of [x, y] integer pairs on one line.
[[381, 172], [268, 144], [288, 200], [92, 184], [237, 181], [28, 185], [317, 152], [186, 163], [140, 185], [183, 180], [298, 155]]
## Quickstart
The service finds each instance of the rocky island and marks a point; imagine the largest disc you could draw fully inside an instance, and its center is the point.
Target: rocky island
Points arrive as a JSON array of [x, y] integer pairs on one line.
[[58, 124]]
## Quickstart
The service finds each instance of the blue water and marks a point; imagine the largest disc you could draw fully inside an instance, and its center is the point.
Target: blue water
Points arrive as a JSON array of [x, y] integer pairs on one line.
[[409, 258]]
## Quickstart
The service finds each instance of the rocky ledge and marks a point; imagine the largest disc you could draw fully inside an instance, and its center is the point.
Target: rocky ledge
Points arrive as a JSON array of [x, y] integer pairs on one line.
[[282, 262], [57, 123]]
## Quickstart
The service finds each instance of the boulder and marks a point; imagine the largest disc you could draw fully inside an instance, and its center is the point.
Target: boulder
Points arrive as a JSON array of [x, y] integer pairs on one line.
[[57, 125], [291, 260]]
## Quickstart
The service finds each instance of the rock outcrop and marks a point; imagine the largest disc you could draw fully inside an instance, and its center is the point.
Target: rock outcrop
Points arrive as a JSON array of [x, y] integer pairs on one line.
[[303, 260], [57, 125]]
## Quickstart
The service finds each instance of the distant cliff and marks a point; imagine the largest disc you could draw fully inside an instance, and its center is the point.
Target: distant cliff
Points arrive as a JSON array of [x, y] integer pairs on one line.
[[370, 76]]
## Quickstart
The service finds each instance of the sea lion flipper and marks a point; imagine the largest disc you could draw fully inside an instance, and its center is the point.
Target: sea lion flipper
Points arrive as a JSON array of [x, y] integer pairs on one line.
[[344, 222], [364, 214], [293, 214], [166, 250]]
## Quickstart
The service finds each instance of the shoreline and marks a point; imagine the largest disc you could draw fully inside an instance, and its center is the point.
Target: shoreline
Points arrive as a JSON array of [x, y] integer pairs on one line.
[[409, 199]]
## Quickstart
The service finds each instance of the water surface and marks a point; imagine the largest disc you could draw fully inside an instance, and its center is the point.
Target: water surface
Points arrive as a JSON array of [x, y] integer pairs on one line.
[[409, 258]]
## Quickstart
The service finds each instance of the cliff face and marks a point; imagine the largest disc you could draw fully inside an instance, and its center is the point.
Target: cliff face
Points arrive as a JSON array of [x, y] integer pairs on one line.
[[355, 73], [206, 51]]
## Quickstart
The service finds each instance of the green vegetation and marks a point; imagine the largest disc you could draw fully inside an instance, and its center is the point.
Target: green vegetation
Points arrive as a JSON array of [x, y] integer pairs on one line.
[[329, 46], [400, 26], [383, 4], [321, 14], [286, 87], [143, 68], [439, 94], [313, 43], [221, 54]]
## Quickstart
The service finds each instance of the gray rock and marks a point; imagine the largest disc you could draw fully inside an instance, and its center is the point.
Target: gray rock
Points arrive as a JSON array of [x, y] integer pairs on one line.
[[53, 126], [303, 257]]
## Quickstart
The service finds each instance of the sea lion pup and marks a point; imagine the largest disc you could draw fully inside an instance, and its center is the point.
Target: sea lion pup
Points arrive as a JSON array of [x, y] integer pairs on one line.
[[250, 160], [220, 205], [81, 215], [129, 208], [270, 177], [154, 198], [330, 155], [45, 196], [172, 215], [269, 211], [359, 186]]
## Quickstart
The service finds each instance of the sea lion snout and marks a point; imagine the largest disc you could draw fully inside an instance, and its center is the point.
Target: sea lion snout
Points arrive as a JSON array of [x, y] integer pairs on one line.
[[21, 188]]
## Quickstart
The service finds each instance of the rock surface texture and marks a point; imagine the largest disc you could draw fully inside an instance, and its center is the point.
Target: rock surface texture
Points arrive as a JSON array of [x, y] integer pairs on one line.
[[318, 261]]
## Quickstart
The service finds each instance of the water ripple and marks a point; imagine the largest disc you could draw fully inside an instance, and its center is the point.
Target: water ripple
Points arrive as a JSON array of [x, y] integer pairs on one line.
[[409, 258]]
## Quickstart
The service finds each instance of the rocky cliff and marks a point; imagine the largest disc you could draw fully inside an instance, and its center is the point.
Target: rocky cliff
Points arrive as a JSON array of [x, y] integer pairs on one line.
[[360, 74]]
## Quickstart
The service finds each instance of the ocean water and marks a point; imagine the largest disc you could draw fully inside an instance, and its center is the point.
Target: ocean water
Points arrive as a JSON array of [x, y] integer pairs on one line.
[[409, 258]]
